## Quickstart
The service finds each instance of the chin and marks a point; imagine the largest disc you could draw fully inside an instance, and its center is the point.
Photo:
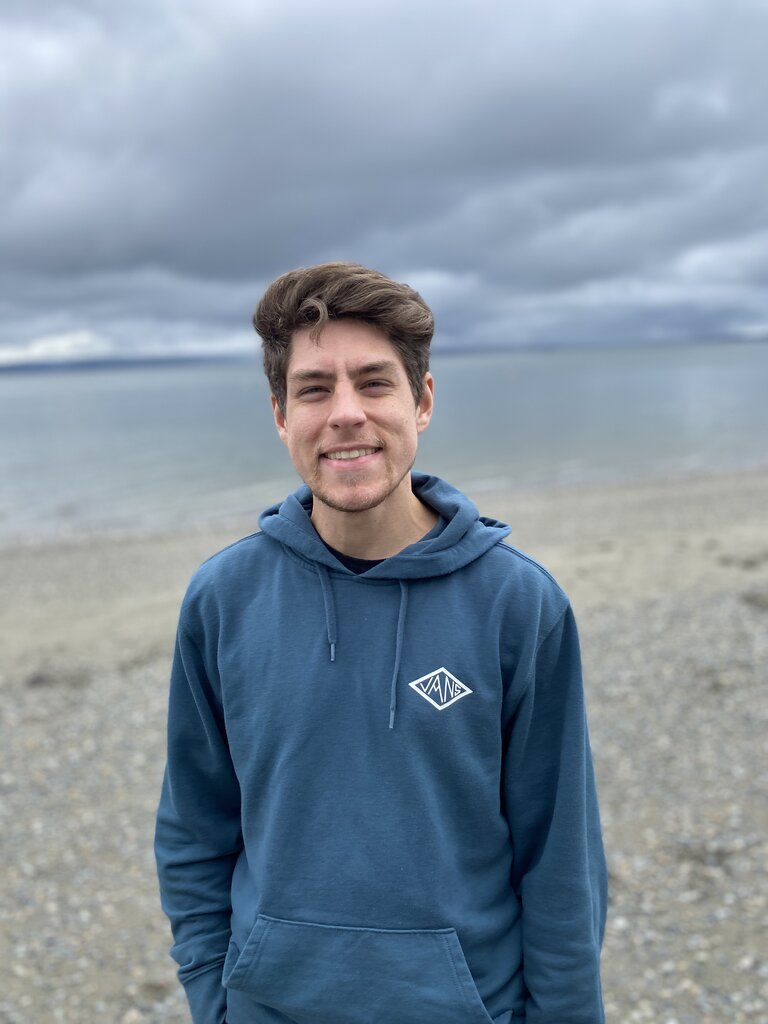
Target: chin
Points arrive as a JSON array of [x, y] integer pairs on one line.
[[353, 500]]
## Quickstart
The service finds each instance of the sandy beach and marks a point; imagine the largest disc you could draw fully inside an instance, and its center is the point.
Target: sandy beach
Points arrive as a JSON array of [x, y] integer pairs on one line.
[[669, 580]]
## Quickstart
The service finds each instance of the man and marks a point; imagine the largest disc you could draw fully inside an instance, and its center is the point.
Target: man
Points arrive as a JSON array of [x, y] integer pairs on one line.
[[379, 805]]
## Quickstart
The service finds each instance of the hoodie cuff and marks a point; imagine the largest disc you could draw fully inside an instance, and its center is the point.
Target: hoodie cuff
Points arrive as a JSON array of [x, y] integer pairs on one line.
[[207, 996]]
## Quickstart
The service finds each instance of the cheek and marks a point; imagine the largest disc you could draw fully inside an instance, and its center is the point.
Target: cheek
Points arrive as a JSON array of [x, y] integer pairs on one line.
[[300, 444], [299, 431], [409, 434]]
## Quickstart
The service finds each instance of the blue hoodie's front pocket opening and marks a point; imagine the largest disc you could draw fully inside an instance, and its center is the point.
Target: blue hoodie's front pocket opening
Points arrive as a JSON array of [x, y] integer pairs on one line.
[[326, 974]]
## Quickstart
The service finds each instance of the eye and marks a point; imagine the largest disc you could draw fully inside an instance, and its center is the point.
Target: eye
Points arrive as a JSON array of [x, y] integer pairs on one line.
[[315, 391], [375, 384]]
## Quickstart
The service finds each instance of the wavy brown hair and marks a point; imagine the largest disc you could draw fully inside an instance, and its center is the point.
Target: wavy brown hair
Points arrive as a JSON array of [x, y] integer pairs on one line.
[[311, 296]]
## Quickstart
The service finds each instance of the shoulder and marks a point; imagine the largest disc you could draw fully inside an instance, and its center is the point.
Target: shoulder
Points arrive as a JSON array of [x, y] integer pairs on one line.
[[227, 576], [231, 559], [520, 569], [529, 591], [523, 565]]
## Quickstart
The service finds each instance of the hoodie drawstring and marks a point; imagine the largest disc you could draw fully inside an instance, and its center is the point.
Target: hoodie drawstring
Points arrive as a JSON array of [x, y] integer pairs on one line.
[[398, 650], [330, 625], [330, 609]]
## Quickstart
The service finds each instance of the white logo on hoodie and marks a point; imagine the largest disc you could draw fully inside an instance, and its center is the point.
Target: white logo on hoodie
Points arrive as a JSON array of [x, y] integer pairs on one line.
[[441, 688]]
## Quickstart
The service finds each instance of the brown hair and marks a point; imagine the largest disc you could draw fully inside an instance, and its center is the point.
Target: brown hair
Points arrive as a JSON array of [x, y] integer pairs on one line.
[[311, 296]]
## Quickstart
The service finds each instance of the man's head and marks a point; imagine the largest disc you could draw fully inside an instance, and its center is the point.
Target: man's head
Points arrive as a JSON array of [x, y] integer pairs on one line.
[[313, 296]]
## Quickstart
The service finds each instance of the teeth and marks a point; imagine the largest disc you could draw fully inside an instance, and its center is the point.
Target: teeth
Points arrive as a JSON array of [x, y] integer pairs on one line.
[[356, 453]]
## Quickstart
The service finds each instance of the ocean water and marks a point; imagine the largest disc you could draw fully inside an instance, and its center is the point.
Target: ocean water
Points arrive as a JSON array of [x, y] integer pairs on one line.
[[144, 449]]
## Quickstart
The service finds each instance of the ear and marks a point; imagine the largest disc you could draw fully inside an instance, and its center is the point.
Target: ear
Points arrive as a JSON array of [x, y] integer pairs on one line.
[[280, 423], [426, 403]]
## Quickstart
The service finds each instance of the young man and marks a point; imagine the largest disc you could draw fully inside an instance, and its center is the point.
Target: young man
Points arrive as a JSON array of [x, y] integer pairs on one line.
[[379, 805]]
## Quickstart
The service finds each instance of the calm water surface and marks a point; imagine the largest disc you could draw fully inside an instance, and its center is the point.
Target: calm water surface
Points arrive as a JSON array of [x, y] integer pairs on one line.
[[141, 449]]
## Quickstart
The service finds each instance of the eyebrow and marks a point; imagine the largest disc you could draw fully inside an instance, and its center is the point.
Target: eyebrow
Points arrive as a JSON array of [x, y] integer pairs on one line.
[[302, 376]]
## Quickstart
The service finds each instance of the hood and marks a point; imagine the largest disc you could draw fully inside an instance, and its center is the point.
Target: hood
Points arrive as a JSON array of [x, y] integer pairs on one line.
[[465, 537]]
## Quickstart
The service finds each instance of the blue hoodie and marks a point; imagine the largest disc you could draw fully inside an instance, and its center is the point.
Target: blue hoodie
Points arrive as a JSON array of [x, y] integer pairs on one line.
[[379, 804]]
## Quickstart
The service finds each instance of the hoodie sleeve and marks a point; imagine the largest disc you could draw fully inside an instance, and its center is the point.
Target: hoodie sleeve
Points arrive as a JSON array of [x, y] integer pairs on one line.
[[198, 835], [559, 864]]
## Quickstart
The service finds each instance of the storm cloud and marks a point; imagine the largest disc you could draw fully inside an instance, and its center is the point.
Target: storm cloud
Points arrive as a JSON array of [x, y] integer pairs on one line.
[[543, 172]]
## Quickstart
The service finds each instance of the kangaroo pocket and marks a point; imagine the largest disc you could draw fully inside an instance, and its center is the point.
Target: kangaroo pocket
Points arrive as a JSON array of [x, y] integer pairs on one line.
[[324, 974]]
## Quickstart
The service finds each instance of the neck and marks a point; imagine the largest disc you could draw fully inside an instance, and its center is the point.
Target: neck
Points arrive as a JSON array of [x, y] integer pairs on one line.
[[375, 532]]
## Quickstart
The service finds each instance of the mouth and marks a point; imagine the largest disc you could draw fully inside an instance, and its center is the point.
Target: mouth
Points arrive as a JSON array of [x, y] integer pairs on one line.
[[349, 454]]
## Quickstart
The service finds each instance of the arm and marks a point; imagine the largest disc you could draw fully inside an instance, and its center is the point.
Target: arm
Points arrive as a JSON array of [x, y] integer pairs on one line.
[[559, 866], [198, 837]]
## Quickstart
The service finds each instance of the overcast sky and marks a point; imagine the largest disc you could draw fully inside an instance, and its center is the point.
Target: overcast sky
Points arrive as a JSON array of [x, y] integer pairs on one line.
[[541, 170]]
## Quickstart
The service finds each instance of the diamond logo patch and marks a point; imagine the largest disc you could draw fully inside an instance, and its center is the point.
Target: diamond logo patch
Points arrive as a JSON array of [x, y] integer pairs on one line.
[[441, 688]]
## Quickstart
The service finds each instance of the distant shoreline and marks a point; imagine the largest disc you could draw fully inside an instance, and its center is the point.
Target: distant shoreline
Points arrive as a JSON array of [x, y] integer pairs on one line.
[[120, 362], [254, 359]]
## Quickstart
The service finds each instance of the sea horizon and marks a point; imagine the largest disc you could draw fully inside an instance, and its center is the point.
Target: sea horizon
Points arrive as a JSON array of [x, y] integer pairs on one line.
[[118, 361], [192, 443]]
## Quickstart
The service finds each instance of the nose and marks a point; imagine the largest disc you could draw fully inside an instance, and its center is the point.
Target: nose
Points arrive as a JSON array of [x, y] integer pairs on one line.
[[346, 407]]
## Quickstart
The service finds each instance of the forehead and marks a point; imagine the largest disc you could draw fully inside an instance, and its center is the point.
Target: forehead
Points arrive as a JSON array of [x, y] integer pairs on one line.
[[343, 346]]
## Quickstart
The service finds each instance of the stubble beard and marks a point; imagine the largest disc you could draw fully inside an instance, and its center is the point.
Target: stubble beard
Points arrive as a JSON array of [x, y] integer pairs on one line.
[[361, 503]]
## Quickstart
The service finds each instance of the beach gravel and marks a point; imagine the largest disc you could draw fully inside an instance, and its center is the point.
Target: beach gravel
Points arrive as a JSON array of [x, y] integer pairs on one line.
[[670, 586]]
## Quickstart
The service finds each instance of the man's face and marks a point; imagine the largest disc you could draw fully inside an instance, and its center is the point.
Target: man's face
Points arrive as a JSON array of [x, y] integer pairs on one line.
[[351, 424]]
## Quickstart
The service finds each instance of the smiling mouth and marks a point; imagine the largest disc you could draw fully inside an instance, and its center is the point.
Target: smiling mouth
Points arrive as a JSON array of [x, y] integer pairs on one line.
[[354, 453]]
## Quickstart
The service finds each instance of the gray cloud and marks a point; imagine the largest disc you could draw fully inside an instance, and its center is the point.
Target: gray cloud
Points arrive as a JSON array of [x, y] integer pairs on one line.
[[543, 172]]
